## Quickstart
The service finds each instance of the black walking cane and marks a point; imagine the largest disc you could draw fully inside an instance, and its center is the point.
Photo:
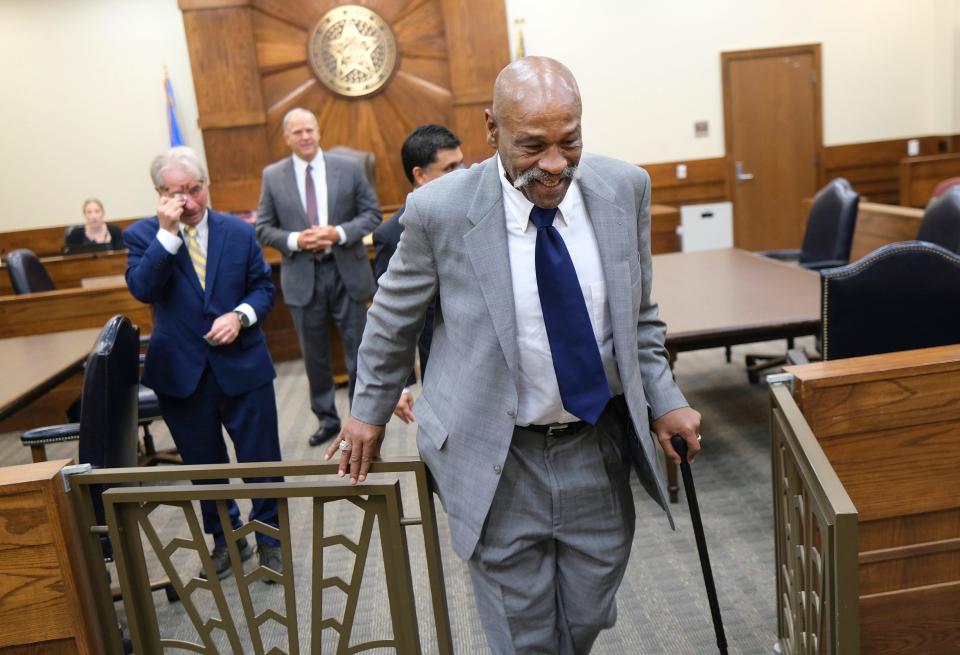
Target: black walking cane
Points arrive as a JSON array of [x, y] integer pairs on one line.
[[680, 446]]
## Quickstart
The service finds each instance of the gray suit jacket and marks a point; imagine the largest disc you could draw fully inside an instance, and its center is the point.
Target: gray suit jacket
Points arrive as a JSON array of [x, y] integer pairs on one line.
[[455, 243], [351, 204]]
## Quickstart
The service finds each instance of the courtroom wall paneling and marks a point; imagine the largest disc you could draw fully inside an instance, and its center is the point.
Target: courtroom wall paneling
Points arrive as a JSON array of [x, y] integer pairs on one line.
[[706, 181], [479, 49], [439, 77], [872, 167], [920, 175]]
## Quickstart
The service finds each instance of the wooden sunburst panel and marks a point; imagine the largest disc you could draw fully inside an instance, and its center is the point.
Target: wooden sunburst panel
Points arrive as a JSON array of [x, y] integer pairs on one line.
[[419, 91], [251, 65]]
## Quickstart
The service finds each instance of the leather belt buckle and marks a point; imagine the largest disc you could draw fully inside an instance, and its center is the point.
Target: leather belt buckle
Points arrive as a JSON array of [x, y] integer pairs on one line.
[[557, 429]]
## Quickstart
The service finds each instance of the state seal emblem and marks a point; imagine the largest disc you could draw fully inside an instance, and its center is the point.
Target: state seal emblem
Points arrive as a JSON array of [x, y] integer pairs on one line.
[[352, 51]]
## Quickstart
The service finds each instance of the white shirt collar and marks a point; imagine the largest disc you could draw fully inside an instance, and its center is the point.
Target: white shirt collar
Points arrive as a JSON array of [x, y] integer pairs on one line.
[[300, 165], [519, 207], [201, 226]]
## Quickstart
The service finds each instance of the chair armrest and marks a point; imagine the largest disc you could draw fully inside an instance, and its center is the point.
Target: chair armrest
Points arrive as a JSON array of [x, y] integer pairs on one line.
[[51, 434], [826, 263], [786, 255], [797, 356], [148, 406]]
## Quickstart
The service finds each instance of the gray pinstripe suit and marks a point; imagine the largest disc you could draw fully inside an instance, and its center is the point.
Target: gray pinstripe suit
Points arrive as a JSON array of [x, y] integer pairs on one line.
[[455, 244]]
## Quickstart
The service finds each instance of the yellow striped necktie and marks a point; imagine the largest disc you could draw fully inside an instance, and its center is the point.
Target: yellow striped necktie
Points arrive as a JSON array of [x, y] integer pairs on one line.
[[196, 254]]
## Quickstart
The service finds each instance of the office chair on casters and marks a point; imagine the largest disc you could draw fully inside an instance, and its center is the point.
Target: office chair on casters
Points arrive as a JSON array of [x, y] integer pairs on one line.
[[826, 244], [27, 273], [107, 431], [941, 220]]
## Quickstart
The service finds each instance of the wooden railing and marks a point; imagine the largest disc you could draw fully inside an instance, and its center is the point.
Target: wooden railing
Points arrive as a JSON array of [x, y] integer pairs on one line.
[[879, 225], [815, 526], [889, 425], [312, 551], [70, 309], [919, 176]]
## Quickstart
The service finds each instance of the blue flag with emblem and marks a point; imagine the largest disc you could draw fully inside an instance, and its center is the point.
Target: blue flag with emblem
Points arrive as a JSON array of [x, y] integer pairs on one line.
[[172, 127]]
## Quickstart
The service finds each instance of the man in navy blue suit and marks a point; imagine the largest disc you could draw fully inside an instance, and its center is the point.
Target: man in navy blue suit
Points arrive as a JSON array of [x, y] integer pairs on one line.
[[431, 151], [204, 275]]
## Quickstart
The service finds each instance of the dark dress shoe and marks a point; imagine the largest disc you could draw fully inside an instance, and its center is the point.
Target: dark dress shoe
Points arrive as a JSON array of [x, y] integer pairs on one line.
[[221, 558], [271, 559], [323, 435]]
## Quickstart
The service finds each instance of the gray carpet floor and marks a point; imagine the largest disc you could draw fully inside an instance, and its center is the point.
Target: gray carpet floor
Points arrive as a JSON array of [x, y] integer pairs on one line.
[[662, 604]]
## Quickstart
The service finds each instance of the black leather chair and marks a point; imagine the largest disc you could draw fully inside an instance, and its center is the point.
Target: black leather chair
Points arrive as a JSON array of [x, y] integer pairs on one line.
[[826, 244], [941, 220], [27, 274], [829, 233], [107, 429], [899, 297]]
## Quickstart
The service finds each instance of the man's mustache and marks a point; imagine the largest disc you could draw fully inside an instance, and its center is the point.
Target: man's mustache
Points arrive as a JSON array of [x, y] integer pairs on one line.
[[535, 173]]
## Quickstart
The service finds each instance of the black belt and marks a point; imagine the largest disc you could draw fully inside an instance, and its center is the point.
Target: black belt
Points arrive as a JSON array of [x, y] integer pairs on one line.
[[557, 429], [323, 256]]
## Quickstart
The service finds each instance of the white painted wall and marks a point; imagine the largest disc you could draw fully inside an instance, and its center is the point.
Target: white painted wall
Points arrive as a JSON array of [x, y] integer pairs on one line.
[[82, 107], [649, 69]]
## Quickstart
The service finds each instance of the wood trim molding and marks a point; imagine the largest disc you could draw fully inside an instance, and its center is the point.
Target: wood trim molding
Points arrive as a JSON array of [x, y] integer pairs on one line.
[[192, 5], [909, 551], [873, 167], [232, 119]]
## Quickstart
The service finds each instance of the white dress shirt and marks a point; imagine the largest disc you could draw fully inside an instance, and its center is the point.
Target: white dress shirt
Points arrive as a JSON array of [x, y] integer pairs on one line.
[[539, 395], [172, 245], [318, 172]]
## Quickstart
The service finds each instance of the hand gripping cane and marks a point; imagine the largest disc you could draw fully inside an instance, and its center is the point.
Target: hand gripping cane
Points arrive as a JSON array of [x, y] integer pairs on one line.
[[680, 446]]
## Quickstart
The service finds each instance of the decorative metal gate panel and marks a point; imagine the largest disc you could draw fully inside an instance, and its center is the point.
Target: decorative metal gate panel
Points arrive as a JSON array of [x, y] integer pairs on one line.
[[136, 516]]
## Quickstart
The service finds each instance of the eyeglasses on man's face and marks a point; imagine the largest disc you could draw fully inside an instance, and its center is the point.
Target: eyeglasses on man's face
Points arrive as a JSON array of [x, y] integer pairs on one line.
[[195, 192]]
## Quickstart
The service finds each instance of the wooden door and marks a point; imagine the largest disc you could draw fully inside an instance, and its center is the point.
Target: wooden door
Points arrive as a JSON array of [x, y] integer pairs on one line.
[[251, 64], [772, 125]]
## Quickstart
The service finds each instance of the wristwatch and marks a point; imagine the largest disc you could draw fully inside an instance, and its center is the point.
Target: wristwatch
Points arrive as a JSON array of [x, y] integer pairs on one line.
[[244, 319]]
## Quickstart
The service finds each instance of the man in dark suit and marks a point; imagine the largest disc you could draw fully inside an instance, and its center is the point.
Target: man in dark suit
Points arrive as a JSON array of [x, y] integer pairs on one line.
[[431, 151], [315, 208], [204, 275]]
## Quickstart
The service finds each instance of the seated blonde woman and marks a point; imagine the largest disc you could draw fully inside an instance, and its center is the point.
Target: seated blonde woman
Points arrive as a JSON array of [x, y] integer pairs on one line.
[[95, 234]]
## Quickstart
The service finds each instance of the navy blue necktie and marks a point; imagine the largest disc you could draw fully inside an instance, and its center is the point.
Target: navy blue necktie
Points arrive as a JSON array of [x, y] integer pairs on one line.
[[576, 358]]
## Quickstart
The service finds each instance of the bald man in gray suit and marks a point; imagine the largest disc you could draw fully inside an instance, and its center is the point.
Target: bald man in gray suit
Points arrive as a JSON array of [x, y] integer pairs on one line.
[[315, 208], [527, 432]]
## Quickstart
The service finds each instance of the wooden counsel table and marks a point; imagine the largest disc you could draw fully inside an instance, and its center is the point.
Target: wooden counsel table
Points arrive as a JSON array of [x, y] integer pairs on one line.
[[35, 364], [728, 297]]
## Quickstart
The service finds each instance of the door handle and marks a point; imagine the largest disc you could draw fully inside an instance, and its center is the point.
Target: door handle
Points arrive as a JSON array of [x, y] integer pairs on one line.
[[741, 176]]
